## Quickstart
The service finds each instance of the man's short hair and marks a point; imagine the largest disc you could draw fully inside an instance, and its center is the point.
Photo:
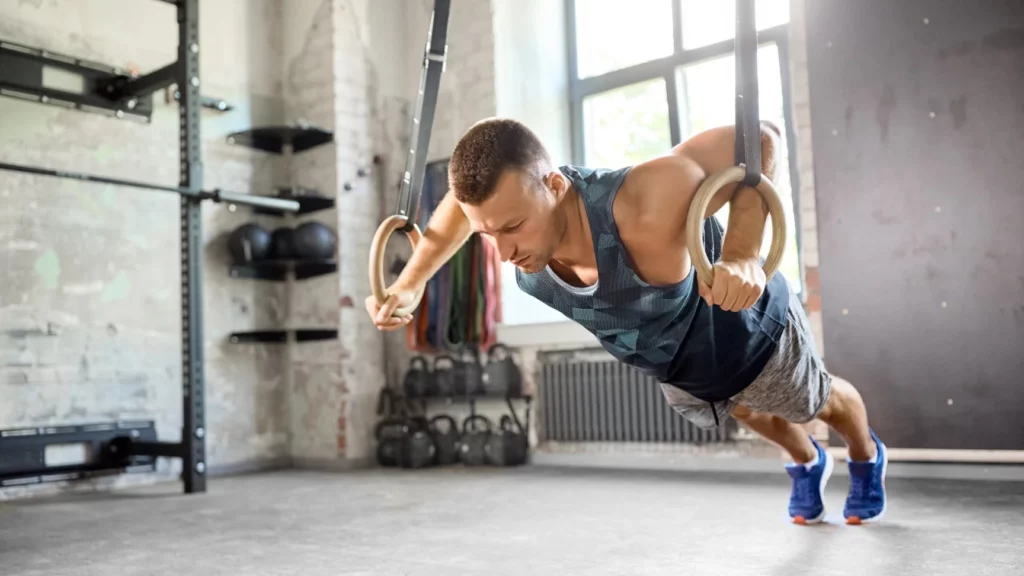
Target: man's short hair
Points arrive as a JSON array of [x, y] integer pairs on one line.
[[486, 151]]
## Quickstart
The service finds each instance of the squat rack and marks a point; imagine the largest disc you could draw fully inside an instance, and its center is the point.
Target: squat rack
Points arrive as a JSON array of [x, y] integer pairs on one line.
[[131, 445]]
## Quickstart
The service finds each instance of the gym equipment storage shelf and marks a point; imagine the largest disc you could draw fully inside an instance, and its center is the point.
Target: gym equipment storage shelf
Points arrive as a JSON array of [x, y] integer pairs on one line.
[[277, 270], [309, 199], [281, 336], [274, 138]]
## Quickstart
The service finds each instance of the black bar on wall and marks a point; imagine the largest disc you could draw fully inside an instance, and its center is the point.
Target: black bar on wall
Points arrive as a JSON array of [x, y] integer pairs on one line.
[[194, 421]]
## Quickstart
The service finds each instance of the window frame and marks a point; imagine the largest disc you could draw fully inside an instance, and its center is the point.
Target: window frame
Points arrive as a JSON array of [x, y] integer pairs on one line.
[[665, 68]]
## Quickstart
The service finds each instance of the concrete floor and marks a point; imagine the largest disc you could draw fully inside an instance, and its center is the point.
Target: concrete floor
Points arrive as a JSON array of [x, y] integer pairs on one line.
[[490, 522]]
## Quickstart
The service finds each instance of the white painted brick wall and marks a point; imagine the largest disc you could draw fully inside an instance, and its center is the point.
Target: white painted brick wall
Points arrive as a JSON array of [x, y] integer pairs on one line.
[[114, 347], [805, 156]]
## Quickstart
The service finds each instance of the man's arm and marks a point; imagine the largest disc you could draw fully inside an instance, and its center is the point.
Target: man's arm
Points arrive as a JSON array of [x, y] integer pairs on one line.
[[714, 151], [739, 279], [447, 230]]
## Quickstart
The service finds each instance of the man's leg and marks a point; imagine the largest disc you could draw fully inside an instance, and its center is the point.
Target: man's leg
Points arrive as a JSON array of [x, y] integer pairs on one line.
[[790, 437], [844, 412], [795, 388]]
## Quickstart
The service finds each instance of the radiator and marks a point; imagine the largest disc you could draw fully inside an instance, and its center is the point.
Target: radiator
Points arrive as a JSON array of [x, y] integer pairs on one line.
[[588, 396]]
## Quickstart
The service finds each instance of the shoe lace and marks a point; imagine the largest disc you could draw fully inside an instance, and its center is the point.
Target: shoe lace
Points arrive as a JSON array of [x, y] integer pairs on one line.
[[861, 486], [802, 487]]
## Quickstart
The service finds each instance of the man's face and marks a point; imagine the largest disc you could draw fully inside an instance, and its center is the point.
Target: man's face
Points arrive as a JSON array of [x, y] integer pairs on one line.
[[521, 219]]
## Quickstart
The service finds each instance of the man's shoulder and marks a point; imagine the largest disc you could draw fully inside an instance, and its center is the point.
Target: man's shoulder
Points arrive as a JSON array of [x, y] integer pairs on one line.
[[656, 194]]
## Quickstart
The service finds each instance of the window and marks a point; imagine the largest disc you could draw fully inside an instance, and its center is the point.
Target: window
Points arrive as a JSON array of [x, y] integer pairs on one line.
[[613, 34], [648, 74]]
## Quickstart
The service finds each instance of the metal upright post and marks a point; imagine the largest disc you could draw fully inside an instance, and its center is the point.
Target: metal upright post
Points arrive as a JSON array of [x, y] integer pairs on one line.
[[194, 422]]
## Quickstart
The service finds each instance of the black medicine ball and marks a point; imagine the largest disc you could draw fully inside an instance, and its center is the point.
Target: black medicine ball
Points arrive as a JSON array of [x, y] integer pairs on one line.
[[249, 243]]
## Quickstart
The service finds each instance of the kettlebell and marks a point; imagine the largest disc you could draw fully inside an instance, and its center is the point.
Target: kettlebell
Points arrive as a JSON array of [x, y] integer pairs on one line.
[[476, 431], [416, 448], [501, 375], [471, 381], [446, 374], [446, 442], [416, 383], [388, 433], [507, 446]]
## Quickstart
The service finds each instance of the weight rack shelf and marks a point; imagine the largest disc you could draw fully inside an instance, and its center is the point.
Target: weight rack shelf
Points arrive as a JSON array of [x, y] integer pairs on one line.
[[309, 199], [278, 270], [274, 138], [281, 336], [473, 397]]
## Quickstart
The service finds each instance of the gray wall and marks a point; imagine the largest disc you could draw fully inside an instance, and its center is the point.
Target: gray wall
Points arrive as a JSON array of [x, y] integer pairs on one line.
[[917, 144]]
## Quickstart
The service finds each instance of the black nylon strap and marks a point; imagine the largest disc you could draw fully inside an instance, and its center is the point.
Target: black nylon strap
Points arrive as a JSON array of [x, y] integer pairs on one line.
[[748, 122], [423, 120]]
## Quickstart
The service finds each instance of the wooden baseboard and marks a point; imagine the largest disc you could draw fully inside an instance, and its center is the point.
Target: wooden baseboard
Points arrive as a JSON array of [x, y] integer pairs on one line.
[[938, 456]]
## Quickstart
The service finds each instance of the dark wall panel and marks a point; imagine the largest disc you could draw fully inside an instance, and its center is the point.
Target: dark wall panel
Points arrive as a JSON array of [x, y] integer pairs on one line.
[[918, 126]]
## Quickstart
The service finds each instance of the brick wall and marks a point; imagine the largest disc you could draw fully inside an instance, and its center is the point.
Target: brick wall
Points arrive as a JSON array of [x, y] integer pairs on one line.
[[808, 217], [466, 95], [350, 68]]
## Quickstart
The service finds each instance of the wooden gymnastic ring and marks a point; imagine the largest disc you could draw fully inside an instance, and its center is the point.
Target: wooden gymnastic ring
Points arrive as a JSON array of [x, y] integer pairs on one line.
[[377, 249], [695, 221]]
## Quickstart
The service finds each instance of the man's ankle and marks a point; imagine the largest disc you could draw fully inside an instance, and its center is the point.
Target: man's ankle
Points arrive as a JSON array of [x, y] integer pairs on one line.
[[807, 457], [866, 453]]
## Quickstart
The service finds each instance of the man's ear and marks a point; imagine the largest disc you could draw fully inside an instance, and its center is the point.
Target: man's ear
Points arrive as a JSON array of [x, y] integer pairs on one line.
[[557, 183]]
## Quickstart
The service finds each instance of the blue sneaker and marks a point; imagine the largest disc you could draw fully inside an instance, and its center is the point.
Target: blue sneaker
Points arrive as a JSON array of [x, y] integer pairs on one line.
[[806, 502], [866, 501]]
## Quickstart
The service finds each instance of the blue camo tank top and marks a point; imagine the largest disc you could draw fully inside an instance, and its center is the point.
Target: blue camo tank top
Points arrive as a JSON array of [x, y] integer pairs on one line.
[[664, 331]]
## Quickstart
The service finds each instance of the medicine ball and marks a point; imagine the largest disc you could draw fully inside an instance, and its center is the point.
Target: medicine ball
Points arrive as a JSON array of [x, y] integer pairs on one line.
[[282, 244], [314, 241], [249, 243]]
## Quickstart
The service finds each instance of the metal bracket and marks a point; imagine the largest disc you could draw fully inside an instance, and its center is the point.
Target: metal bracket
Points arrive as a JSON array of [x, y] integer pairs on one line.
[[41, 454], [103, 89]]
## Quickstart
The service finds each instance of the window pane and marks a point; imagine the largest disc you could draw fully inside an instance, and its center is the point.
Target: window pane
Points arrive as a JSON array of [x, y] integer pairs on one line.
[[626, 125], [709, 21], [707, 95], [613, 34]]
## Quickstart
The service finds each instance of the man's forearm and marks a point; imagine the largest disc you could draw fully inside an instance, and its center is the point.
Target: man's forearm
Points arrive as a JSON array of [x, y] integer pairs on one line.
[[748, 212], [446, 232]]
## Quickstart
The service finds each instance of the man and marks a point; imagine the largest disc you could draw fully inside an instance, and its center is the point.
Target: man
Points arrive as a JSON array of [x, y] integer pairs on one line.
[[607, 248]]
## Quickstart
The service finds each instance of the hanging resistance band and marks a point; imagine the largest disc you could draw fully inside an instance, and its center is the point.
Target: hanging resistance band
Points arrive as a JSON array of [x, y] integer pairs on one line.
[[746, 171], [407, 210]]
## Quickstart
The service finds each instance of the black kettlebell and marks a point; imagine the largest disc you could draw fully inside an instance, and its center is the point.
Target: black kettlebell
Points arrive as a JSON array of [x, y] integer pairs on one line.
[[501, 374], [249, 243], [416, 447], [507, 446], [417, 381], [446, 375], [388, 433], [476, 431], [471, 382], [315, 241], [445, 432]]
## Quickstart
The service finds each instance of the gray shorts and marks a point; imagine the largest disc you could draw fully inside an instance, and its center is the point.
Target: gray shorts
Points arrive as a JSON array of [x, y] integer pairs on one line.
[[793, 385]]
